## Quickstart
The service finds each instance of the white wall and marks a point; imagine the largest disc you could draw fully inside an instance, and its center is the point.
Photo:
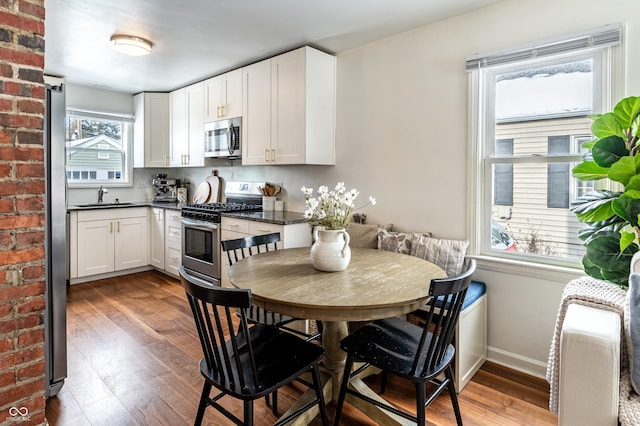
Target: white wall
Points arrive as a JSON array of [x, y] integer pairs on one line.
[[402, 136]]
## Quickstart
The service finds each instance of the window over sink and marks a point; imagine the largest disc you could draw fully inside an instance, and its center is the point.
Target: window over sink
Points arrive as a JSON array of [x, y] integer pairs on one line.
[[98, 148]]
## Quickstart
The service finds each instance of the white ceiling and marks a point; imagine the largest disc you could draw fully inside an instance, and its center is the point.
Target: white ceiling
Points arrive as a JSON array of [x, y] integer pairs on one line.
[[196, 39]]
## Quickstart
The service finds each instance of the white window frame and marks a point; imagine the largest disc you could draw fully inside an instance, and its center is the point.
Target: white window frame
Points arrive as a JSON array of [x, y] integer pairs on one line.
[[127, 174], [608, 77]]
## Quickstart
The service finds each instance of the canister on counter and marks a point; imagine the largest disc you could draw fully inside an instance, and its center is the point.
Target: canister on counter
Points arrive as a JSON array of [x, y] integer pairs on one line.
[[278, 206], [182, 195]]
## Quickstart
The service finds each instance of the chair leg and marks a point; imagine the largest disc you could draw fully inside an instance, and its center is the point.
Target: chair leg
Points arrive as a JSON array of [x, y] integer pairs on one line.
[[248, 413], [274, 408], [420, 400], [206, 390], [454, 396], [383, 381], [317, 384], [343, 390]]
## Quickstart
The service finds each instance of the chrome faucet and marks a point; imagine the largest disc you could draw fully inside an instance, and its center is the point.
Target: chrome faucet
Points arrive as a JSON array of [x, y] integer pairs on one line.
[[101, 192]]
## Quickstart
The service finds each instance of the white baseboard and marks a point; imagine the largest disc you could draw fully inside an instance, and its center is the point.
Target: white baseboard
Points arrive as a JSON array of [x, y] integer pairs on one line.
[[80, 280], [526, 365]]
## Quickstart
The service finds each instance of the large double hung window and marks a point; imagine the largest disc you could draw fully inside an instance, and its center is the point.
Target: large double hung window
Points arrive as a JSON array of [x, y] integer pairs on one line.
[[530, 115]]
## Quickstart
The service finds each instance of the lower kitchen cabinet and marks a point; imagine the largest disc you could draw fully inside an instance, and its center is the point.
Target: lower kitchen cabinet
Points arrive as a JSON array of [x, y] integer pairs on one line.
[[172, 242], [293, 235], [109, 240], [156, 238]]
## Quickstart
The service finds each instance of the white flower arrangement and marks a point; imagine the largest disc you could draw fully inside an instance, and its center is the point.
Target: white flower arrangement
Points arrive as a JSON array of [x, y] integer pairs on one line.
[[331, 209]]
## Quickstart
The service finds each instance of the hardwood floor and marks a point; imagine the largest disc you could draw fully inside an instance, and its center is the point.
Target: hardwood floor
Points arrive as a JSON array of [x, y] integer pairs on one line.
[[133, 356]]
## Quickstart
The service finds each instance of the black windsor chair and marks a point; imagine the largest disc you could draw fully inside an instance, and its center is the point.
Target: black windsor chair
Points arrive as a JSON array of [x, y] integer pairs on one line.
[[418, 354], [249, 361], [240, 248]]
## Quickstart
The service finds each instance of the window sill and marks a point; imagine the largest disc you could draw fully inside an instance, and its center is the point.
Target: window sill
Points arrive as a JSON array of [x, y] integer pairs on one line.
[[561, 274]]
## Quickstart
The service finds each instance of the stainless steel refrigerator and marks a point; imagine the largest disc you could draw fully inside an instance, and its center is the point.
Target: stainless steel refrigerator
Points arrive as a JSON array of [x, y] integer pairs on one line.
[[56, 241]]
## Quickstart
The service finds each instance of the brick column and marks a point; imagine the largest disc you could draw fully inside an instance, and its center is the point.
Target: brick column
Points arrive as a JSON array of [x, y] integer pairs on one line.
[[22, 272]]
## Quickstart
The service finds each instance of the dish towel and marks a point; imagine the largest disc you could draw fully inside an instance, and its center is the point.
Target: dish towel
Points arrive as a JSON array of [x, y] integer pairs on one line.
[[585, 291]]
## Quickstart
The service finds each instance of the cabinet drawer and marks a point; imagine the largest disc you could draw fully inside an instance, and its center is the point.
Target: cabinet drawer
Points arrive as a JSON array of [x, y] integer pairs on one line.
[[261, 228], [174, 233], [235, 225], [173, 217]]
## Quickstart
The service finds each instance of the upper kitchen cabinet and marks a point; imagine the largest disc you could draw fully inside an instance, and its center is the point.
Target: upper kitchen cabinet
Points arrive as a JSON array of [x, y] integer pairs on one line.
[[186, 118], [151, 130], [223, 96], [289, 109]]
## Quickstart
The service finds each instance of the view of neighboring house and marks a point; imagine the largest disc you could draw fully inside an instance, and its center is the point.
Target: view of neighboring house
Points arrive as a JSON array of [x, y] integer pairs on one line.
[[94, 158], [541, 141]]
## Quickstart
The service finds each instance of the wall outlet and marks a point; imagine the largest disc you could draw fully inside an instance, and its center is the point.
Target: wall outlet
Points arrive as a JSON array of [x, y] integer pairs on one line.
[[144, 183]]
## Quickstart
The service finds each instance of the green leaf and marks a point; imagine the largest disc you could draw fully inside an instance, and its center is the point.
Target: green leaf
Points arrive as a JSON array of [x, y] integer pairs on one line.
[[627, 208], [589, 170], [633, 184], [591, 269], [625, 112], [609, 150], [604, 252], [626, 239], [620, 278], [589, 144], [615, 224], [607, 125], [594, 206], [625, 169]]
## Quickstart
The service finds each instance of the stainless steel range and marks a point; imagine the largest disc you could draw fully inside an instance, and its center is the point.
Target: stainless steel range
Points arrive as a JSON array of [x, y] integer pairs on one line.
[[201, 228]]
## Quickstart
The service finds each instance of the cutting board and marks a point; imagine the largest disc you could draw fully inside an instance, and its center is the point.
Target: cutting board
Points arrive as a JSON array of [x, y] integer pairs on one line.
[[203, 193], [214, 185]]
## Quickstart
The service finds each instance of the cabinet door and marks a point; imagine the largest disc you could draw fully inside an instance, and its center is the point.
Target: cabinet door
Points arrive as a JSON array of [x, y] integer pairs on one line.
[[288, 112], [195, 125], [223, 96], [131, 243], [256, 113], [232, 93], [156, 246], [95, 247], [178, 126], [151, 130]]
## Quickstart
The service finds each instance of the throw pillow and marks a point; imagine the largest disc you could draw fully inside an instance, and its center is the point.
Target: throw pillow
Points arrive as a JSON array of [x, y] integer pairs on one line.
[[632, 329], [399, 242], [365, 236], [447, 254]]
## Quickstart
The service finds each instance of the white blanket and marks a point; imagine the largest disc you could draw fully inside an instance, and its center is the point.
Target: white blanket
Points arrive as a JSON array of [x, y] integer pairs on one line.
[[586, 291]]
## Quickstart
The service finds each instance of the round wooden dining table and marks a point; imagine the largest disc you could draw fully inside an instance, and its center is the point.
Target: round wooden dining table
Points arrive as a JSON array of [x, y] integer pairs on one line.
[[376, 284]]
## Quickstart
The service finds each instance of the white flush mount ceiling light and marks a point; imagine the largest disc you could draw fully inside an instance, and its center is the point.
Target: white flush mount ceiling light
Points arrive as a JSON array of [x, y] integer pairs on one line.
[[131, 45]]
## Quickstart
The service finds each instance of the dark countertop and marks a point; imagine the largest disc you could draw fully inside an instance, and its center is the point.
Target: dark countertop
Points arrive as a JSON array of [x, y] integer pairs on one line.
[[276, 218], [123, 205]]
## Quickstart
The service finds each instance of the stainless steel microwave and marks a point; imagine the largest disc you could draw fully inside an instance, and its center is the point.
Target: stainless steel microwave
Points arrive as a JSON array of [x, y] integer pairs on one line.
[[222, 138]]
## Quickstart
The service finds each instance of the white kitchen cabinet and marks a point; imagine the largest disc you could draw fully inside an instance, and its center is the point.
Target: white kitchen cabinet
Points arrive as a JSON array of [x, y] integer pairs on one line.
[[297, 124], [156, 237], [223, 96], [173, 242], [186, 119], [110, 240], [293, 235], [151, 130]]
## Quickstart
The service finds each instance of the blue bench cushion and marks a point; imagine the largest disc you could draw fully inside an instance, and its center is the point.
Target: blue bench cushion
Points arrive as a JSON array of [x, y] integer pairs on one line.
[[475, 291]]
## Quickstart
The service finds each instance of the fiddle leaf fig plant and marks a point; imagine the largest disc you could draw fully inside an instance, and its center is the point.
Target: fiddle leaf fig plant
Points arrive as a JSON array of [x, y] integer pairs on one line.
[[613, 233]]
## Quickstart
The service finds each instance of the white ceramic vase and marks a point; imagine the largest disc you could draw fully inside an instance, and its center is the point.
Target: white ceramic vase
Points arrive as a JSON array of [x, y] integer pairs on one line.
[[330, 252]]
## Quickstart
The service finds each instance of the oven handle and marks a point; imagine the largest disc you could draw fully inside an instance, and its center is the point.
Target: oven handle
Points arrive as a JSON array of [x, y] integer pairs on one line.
[[199, 224]]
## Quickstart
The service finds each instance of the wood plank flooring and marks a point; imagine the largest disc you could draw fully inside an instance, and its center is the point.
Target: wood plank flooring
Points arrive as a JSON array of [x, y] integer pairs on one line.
[[133, 356]]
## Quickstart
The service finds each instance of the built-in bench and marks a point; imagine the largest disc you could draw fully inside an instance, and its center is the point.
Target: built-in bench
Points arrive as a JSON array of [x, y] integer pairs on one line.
[[471, 334]]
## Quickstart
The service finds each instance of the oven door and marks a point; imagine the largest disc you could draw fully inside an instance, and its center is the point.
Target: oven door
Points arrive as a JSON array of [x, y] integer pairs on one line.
[[201, 249]]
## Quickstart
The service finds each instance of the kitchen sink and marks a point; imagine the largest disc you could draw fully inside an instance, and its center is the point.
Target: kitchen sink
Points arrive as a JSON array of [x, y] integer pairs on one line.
[[93, 205]]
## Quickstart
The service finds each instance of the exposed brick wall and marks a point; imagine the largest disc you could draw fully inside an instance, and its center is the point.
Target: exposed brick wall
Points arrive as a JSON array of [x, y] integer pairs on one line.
[[22, 272]]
